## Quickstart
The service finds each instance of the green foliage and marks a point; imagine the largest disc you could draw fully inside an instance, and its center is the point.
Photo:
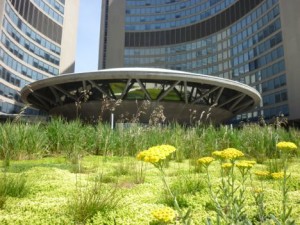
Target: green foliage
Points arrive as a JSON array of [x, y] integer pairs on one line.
[[88, 201], [13, 186], [183, 187], [116, 151], [20, 140]]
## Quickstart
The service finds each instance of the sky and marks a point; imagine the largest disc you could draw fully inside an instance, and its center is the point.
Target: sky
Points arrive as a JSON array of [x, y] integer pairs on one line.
[[88, 36]]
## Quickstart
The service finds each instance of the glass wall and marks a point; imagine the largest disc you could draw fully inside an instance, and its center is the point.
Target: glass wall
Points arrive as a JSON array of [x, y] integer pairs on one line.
[[249, 50], [26, 54]]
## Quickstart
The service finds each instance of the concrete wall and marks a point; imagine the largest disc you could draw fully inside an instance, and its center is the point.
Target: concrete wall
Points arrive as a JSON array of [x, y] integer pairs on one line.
[[69, 37], [101, 38], [290, 22], [2, 3], [115, 35]]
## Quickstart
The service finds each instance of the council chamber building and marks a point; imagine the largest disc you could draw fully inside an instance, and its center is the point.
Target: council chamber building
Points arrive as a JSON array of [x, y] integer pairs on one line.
[[38, 41], [255, 42]]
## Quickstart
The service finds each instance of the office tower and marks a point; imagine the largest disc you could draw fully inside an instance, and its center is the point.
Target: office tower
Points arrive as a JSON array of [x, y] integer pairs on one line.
[[38, 41], [256, 42]]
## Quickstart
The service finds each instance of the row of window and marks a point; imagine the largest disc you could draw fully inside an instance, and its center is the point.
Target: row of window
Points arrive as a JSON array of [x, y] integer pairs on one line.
[[258, 50], [29, 45], [205, 55], [266, 59], [256, 14], [26, 57], [164, 6], [275, 83], [31, 33], [19, 67], [211, 50], [56, 5], [271, 70], [259, 62], [194, 14], [199, 30], [270, 113], [12, 78], [243, 34], [49, 11], [267, 72], [275, 98], [157, 2], [6, 107], [9, 92]]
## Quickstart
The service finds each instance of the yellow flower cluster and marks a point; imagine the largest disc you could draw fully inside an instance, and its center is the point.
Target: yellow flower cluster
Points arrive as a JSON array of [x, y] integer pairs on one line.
[[227, 165], [217, 154], [165, 214], [245, 164], [286, 146], [205, 160], [228, 153], [155, 153], [262, 173], [278, 175]]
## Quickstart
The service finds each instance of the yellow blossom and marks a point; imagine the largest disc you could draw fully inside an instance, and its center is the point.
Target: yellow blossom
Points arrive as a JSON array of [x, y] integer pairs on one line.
[[245, 164], [205, 160], [217, 154], [258, 190], [226, 165], [278, 175], [262, 173], [155, 153], [165, 214], [286, 146], [231, 153]]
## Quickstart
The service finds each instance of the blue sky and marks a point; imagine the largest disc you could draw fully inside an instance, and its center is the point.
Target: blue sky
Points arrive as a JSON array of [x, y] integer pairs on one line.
[[88, 35]]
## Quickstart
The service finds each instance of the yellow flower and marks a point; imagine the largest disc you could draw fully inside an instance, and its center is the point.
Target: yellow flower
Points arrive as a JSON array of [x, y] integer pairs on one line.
[[262, 173], [258, 190], [245, 164], [165, 214], [231, 153], [278, 175], [286, 146], [217, 154], [141, 155], [205, 160], [155, 153], [226, 165]]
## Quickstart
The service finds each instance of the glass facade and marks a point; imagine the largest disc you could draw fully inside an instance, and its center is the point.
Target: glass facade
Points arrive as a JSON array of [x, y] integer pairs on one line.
[[246, 47], [30, 47]]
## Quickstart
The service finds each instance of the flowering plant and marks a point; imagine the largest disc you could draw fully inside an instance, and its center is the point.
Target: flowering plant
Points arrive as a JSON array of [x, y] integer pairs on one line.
[[286, 146], [164, 215], [156, 156]]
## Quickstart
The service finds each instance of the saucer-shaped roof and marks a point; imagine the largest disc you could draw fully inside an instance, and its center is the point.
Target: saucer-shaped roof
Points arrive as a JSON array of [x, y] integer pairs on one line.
[[183, 96]]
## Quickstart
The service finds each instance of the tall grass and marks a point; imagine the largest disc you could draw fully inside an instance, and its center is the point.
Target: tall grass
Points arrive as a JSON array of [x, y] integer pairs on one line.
[[73, 139], [13, 186], [88, 201], [20, 140]]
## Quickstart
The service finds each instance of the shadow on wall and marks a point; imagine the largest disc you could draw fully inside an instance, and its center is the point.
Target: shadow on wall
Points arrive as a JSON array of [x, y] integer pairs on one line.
[[69, 69]]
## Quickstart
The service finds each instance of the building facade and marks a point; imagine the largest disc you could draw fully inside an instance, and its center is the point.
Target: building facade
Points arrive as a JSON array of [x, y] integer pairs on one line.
[[256, 42], [38, 41]]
